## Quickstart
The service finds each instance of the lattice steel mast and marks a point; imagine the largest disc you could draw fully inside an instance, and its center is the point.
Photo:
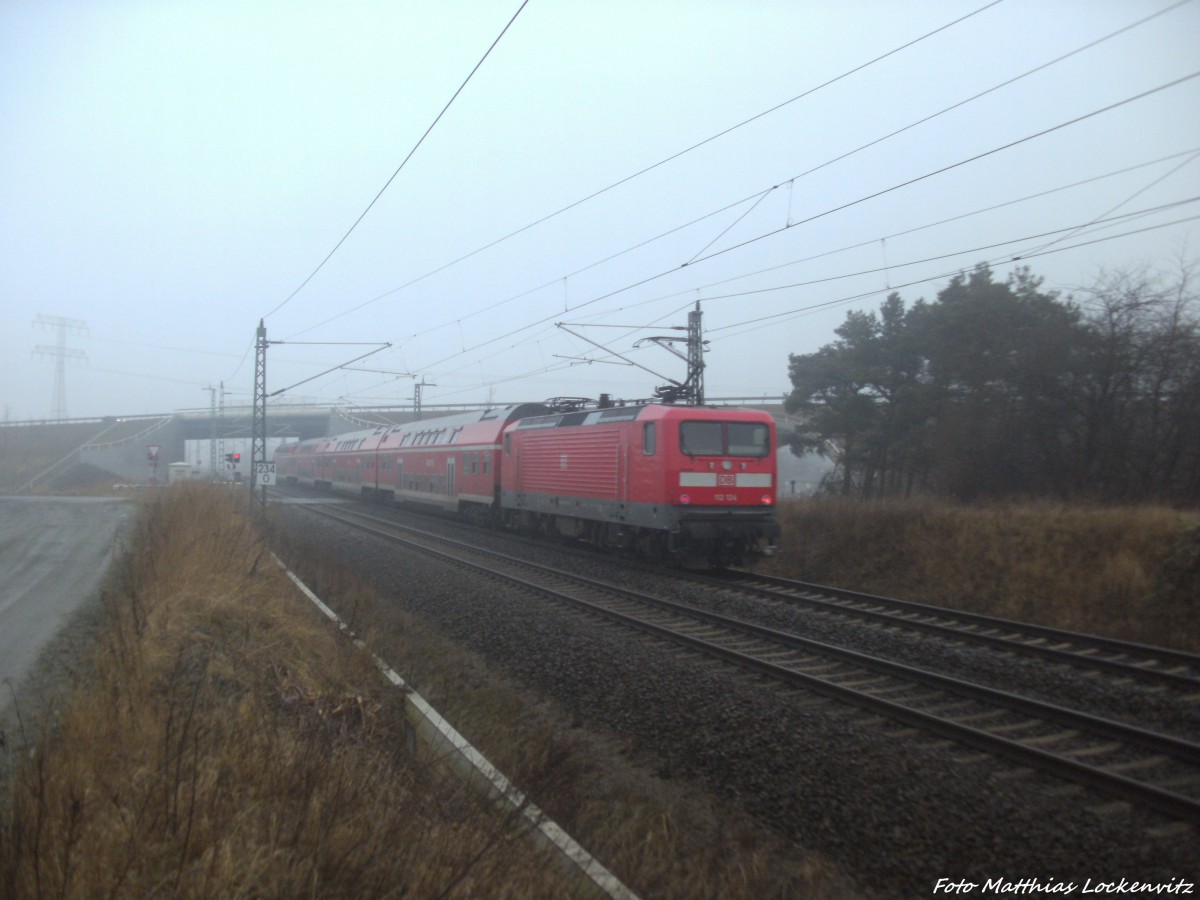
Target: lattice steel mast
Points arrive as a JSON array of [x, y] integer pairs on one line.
[[691, 389], [258, 427], [695, 358]]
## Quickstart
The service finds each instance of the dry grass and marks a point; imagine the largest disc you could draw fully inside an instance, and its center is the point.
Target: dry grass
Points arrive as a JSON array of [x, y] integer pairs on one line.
[[228, 742], [1131, 573]]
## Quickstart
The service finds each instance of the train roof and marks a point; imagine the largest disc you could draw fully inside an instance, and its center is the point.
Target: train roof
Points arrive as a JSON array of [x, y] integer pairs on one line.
[[614, 414], [440, 430], [486, 425]]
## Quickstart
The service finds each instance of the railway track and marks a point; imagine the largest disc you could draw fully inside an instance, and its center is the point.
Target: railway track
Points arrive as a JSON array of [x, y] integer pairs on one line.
[[1155, 666], [1152, 770], [1121, 659]]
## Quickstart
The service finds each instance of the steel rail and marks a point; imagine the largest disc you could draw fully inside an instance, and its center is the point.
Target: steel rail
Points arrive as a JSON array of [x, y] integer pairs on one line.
[[1171, 804], [775, 588], [1016, 637]]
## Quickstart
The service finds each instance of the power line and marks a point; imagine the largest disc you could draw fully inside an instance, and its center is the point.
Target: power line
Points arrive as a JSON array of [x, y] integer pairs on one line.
[[907, 231], [1043, 251], [757, 197], [1068, 231], [830, 211], [643, 281], [1192, 155], [795, 313], [792, 313], [660, 163], [962, 162], [996, 87], [775, 318], [1129, 199], [363, 214]]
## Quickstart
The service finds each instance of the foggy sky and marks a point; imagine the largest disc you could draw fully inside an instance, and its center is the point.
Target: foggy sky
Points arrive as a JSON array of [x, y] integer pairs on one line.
[[170, 173]]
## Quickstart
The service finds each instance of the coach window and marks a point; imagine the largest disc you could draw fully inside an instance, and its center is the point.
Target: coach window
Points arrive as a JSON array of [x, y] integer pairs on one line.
[[649, 438]]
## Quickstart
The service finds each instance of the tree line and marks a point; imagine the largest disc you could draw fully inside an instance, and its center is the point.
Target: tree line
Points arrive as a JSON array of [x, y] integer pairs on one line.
[[1001, 390]]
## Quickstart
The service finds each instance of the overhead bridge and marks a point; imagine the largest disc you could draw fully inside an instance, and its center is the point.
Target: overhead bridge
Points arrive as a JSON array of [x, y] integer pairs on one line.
[[133, 448]]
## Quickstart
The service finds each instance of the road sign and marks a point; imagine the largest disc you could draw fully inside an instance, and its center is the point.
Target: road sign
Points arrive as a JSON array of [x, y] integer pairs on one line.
[[265, 473]]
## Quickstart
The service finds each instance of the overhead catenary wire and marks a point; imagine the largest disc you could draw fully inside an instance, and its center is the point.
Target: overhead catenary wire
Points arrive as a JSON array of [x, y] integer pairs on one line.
[[827, 253], [661, 162], [1128, 199], [759, 196], [768, 321], [460, 319], [991, 90], [962, 162], [404, 162], [1191, 154], [1021, 257], [957, 218], [775, 319], [1068, 230], [814, 217], [788, 314], [900, 265]]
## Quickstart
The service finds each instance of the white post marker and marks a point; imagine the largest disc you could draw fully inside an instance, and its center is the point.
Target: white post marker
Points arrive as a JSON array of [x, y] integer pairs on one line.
[[265, 473], [435, 730]]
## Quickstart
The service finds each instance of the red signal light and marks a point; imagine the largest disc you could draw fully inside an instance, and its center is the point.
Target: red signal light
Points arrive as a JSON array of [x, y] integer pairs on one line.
[[237, 457]]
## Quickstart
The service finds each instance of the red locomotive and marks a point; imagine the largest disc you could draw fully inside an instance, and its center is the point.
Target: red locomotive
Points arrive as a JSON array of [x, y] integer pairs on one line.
[[690, 482]]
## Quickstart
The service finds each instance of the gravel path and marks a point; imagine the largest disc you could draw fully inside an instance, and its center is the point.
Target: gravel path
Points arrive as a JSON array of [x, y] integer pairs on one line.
[[897, 809]]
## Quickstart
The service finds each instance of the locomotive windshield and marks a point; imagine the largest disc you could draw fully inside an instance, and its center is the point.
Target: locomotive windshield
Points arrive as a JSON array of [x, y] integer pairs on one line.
[[724, 439], [749, 439]]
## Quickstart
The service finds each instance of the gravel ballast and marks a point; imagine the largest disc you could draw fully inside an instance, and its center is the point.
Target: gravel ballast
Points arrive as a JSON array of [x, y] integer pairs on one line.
[[895, 808]]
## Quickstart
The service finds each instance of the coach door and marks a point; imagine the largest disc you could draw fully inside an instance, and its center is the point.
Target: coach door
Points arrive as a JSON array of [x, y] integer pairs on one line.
[[451, 489]]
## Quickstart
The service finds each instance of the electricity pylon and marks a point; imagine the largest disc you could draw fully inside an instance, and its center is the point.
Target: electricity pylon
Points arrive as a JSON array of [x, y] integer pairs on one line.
[[60, 353]]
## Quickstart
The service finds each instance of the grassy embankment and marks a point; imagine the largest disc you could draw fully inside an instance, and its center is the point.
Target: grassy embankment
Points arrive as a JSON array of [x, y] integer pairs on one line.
[[227, 742], [1131, 573]]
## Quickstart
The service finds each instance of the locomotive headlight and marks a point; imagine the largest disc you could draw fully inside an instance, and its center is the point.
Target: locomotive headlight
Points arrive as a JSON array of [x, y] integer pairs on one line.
[[685, 499]]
